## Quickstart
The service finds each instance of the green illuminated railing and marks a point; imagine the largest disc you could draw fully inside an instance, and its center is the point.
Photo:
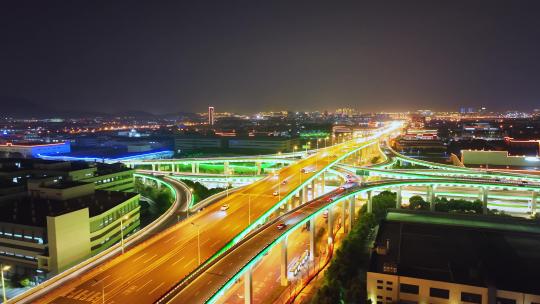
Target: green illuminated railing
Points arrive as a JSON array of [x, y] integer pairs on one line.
[[363, 189]]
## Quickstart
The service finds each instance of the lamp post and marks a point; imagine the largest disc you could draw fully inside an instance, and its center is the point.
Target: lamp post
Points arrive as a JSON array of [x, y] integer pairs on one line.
[[278, 186], [125, 217], [198, 240], [2, 269], [187, 209]]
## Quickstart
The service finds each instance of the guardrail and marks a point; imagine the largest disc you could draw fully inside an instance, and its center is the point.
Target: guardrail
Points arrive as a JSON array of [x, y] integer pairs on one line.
[[363, 188], [77, 270]]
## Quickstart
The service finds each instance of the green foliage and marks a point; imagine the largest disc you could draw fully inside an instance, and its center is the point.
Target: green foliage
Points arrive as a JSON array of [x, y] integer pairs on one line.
[[458, 205], [345, 279], [416, 202], [25, 282], [200, 192]]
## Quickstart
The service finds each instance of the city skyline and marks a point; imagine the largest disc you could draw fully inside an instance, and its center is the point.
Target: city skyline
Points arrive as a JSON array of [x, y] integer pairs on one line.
[[255, 57]]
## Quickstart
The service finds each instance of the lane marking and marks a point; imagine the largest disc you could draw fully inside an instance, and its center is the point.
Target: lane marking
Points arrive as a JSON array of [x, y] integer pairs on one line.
[[156, 288]]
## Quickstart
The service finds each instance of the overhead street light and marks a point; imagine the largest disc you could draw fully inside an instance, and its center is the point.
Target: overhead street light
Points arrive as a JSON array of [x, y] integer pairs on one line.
[[2, 269]]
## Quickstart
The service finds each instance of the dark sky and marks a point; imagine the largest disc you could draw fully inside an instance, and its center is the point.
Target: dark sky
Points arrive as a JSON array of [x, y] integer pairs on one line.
[[166, 56]]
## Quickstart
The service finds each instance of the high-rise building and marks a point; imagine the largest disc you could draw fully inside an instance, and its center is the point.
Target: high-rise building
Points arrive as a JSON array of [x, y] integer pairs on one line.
[[211, 116]]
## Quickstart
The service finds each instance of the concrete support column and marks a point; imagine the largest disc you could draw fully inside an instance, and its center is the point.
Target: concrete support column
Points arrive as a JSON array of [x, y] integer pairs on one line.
[[248, 287], [197, 168], [430, 197], [352, 203], [226, 168], [259, 168], [153, 167], [323, 182], [484, 193], [369, 202], [312, 231], [533, 202], [330, 225], [284, 277], [398, 198], [344, 214], [313, 192], [193, 168], [144, 180], [304, 195]]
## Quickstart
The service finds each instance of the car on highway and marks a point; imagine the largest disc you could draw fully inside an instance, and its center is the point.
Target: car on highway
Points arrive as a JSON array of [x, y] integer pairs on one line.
[[224, 207], [281, 226], [284, 182], [308, 169], [325, 213], [276, 193]]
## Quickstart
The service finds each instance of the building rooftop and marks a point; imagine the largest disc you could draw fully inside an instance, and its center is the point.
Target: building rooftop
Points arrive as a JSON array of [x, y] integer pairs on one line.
[[464, 249], [34, 211]]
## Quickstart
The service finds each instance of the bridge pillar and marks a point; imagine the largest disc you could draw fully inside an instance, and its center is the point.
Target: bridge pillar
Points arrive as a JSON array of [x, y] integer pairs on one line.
[[369, 202], [259, 168], [323, 182], [144, 180], [352, 202], [344, 214], [533, 203], [153, 167], [304, 195], [198, 168], [248, 287], [226, 168], [398, 198], [284, 264], [313, 192], [484, 193], [431, 197], [193, 168], [312, 232], [330, 225]]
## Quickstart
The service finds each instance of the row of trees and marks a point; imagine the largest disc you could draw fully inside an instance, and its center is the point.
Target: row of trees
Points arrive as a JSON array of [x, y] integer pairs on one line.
[[201, 192], [345, 279]]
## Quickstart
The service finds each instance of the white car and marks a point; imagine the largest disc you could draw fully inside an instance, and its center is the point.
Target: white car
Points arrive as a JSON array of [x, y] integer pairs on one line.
[[275, 193], [225, 207]]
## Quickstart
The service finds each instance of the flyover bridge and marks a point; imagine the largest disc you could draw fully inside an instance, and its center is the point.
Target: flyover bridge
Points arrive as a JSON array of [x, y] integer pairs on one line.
[[147, 271], [215, 278]]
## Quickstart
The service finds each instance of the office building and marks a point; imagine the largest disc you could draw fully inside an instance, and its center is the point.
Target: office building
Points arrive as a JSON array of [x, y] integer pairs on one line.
[[32, 150], [211, 116], [450, 258]]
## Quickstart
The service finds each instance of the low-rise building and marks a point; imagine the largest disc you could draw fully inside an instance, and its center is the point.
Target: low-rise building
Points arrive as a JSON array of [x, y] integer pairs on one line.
[[55, 214], [445, 258], [33, 150]]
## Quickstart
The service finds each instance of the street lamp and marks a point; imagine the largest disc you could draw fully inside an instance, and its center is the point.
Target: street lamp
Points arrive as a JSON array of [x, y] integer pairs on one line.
[[198, 240], [122, 231], [278, 186], [325, 140], [187, 214], [2, 269], [294, 149]]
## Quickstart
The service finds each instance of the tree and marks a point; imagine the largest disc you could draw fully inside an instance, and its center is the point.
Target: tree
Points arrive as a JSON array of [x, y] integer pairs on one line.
[[416, 202]]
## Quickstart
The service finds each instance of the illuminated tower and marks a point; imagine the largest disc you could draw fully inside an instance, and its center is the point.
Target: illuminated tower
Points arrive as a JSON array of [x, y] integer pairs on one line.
[[211, 116]]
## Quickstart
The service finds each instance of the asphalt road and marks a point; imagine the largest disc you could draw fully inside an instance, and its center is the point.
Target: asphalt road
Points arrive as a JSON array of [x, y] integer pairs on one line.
[[147, 271]]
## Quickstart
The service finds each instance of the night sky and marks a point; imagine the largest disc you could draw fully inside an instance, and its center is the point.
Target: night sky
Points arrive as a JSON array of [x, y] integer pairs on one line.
[[247, 56]]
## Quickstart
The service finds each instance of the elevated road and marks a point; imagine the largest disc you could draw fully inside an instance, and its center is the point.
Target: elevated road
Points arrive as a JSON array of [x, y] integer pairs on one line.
[[220, 275], [147, 271]]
